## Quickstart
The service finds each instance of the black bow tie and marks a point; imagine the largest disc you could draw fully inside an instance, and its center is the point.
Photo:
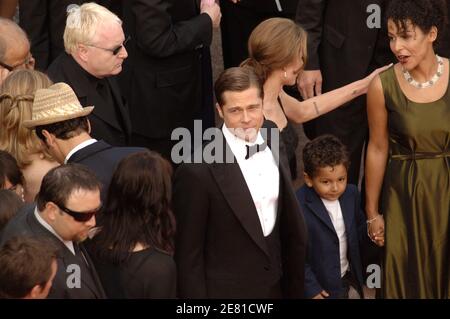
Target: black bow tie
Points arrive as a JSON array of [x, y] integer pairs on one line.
[[253, 149]]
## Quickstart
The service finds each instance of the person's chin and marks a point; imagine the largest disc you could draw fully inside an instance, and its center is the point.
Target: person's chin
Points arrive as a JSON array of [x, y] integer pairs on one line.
[[117, 70], [332, 197], [82, 237]]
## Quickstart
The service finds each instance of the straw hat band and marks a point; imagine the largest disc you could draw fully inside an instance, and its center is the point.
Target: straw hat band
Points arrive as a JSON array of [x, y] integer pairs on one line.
[[56, 112], [56, 104]]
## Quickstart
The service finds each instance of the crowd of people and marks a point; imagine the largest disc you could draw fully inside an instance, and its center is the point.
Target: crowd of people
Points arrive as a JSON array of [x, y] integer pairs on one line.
[[92, 205]]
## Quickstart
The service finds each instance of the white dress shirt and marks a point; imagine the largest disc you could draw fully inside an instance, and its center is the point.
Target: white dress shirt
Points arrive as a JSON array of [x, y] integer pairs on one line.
[[261, 176], [79, 147], [68, 243], [335, 213]]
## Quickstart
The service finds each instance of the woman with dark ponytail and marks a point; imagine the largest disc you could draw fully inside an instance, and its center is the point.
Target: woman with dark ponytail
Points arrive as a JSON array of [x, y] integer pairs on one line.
[[134, 247], [277, 52]]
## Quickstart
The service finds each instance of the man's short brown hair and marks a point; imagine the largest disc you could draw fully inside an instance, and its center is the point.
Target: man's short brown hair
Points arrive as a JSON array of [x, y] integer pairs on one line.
[[24, 263], [61, 181], [237, 79]]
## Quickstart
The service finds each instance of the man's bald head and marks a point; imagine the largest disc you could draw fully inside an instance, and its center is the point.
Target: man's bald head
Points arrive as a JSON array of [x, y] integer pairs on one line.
[[14, 43]]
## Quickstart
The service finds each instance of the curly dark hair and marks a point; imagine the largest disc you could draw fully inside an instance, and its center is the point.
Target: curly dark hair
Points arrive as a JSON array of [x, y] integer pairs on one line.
[[422, 13], [325, 150], [138, 209]]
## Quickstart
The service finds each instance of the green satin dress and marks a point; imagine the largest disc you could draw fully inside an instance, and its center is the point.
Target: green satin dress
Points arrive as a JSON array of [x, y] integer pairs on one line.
[[416, 196]]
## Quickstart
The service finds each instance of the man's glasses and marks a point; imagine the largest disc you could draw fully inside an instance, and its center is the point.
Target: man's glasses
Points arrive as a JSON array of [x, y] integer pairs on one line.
[[115, 50], [79, 216], [28, 61]]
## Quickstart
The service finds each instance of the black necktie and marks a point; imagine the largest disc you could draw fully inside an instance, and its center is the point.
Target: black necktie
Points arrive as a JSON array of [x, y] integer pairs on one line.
[[79, 253], [253, 149]]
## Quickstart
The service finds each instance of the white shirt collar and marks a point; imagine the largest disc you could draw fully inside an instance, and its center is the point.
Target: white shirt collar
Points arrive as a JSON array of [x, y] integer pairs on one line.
[[67, 243], [237, 144], [79, 147]]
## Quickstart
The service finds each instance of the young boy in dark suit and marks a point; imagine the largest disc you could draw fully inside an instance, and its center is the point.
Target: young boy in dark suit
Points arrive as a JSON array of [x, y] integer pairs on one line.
[[334, 220]]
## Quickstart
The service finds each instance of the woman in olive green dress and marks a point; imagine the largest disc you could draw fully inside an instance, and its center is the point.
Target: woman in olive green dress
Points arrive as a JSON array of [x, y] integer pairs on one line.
[[408, 156]]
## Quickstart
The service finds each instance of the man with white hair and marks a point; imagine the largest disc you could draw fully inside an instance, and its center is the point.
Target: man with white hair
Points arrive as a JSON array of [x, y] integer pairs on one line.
[[94, 44], [14, 49]]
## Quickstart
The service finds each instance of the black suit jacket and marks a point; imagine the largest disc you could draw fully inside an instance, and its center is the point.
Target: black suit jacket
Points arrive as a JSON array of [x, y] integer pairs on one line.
[[107, 123], [102, 159], [323, 268], [342, 48], [220, 248], [44, 22], [26, 224], [162, 76]]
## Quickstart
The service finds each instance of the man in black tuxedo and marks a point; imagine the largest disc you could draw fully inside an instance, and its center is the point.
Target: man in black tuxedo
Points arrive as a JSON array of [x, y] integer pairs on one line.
[[67, 137], [94, 55], [166, 80], [342, 47], [239, 19], [240, 232], [67, 202]]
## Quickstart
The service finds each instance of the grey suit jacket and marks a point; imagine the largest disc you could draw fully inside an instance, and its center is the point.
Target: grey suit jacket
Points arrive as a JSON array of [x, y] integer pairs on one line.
[[26, 224]]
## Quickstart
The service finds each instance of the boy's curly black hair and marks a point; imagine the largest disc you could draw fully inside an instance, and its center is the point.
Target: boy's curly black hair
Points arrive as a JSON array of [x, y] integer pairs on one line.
[[422, 13], [325, 150]]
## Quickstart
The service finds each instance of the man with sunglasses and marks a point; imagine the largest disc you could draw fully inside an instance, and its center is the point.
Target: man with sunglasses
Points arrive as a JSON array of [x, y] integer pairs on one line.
[[67, 202], [94, 56], [14, 49]]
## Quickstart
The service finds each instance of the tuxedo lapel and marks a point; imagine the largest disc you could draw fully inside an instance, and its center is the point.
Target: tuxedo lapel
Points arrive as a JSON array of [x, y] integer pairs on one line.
[[318, 208], [234, 188], [122, 107]]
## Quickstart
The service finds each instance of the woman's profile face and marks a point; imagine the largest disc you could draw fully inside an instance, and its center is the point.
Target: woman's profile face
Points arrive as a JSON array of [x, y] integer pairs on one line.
[[292, 70], [410, 45]]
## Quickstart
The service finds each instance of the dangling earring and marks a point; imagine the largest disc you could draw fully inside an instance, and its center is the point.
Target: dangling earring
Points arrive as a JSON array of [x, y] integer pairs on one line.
[[285, 74]]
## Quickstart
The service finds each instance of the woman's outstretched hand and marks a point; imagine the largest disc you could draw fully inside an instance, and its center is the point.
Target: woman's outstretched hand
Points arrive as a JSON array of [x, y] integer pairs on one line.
[[372, 75]]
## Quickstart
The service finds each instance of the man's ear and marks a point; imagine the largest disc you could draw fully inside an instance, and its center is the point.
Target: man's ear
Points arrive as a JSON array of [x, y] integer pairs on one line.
[[308, 180], [36, 292], [89, 126], [82, 52], [51, 210], [219, 110], [50, 139]]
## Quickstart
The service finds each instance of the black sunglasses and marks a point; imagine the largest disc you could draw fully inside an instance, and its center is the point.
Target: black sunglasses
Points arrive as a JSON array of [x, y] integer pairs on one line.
[[6, 66], [114, 51], [79, 216]]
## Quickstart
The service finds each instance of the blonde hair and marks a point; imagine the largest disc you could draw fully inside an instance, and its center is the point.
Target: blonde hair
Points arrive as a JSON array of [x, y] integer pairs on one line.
[[273, 44], [82, 23], [16, 104]]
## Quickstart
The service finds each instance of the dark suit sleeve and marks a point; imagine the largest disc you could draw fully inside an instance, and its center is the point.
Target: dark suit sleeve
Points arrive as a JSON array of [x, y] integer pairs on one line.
[[310, 16], [34, 21], [190, 202], [312, 286], [158, 36]]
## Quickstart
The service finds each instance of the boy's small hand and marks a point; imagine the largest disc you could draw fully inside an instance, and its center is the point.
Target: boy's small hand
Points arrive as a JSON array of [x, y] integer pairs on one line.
[[322, 295]]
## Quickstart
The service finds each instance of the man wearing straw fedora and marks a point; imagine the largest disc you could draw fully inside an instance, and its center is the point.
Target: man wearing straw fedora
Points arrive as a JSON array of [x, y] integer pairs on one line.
[[62, 124]]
